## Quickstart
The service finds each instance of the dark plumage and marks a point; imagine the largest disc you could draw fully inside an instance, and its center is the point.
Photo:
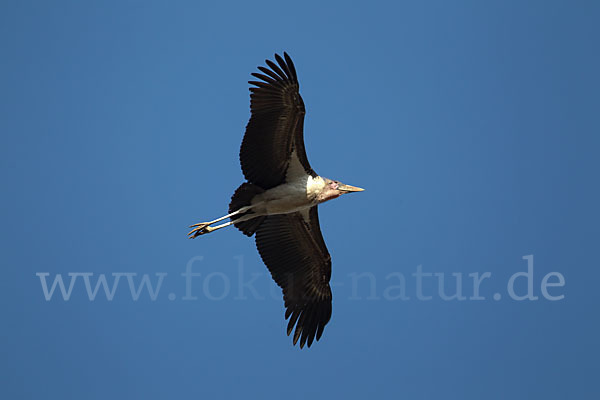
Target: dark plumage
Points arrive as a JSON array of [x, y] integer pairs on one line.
[[276, 125], [278, 203]]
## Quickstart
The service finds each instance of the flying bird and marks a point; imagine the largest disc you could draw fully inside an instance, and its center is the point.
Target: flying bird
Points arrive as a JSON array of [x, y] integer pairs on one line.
[[279, 202]]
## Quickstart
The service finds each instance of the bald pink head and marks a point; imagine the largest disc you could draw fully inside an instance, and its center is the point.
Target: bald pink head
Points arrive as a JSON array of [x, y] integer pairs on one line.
[[334, 189]]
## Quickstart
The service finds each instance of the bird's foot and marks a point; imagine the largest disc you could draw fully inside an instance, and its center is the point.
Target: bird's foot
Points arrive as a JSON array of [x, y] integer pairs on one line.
[[199, 229]]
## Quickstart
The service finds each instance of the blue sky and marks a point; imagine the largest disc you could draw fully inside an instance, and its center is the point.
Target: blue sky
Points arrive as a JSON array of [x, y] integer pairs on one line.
[[472, 125]]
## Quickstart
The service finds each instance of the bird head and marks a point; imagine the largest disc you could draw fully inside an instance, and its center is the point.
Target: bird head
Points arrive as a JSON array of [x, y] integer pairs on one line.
[[334, 189]]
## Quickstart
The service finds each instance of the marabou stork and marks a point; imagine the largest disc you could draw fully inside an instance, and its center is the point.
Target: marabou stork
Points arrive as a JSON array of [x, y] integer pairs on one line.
[[279, 202]]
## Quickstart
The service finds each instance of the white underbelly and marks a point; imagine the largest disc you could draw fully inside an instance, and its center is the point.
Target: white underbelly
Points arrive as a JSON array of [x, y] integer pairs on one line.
[[285, 207], [284, 199]]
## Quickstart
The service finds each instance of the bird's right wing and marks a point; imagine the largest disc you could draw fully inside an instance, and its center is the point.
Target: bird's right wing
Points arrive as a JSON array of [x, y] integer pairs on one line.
[[275, 129], [292, 247]]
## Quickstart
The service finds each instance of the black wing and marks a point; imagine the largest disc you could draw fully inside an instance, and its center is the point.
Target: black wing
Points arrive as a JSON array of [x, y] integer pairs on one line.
[[294, 251], [276, 125]]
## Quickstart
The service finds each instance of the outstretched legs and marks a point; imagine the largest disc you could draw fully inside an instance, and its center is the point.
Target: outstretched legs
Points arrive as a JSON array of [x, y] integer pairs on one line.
[[202, 228]]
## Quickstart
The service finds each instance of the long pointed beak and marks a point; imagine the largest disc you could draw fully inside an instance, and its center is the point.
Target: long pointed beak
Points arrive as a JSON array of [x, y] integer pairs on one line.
[[348, 188]]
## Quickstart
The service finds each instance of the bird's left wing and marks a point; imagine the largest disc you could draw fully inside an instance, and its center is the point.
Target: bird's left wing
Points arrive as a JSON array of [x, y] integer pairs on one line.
[[292, 247], [274, 134]]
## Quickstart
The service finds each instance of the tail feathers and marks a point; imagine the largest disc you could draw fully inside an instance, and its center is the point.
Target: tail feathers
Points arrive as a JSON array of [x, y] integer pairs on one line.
[[243, 197]]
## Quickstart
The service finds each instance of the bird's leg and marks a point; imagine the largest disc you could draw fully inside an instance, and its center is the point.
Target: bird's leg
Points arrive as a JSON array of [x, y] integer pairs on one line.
[[207, 229], [241, 210], [203, 227]]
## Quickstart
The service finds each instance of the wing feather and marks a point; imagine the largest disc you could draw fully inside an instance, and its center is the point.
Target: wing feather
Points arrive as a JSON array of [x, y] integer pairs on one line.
[[294, 251], [276, 125]]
